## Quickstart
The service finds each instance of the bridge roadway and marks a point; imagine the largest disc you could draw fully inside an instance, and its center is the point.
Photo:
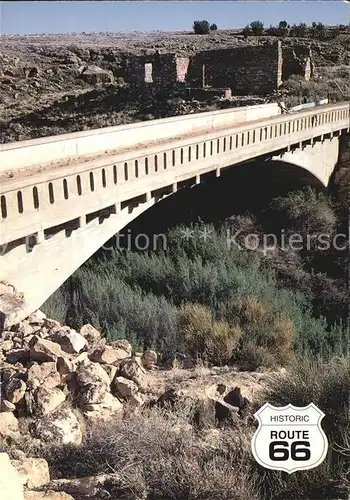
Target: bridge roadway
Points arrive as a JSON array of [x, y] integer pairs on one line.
[[54, 219]]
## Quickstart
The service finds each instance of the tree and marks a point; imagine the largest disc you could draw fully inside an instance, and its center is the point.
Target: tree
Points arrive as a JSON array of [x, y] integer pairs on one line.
[[283, 28], [247, 31], [201, 27], [299, 30], [257, 28], [213, 27]]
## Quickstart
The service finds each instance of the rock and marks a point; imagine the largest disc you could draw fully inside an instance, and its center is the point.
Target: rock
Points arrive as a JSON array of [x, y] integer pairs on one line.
[[95, 75], [33, 472], [90, 334], [91, 373], [123, 344], [109, 409], [42, 350], [149, 359], [131, 369], [11, 307], [225, 413], [17, 355], [111, 370], [64, 428], [37, 318], [6, 406], [51, 323], [136, 400], [24, 328], [43, 375], [46, 495], [9, 426], [91, 394], [87, 487], [44, 401], [64, 368], [10, 484], [236, 399], [108, 355], [15, 390], [124, 387], [69, 340], [6, 345]]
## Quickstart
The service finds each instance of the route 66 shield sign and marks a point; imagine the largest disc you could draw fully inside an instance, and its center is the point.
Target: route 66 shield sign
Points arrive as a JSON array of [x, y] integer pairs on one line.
[[289, 438]]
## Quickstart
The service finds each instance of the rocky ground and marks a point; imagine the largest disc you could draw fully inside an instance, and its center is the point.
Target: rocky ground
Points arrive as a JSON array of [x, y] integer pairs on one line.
[[57, 383], [55, 84]]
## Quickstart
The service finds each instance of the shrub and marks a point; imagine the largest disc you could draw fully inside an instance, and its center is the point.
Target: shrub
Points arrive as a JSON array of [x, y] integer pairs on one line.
[[158, 455], [299, 30], [213, 27], [257, 28], [268, 338], [327, 385], [201, 27], [206, 338], [247, 31]]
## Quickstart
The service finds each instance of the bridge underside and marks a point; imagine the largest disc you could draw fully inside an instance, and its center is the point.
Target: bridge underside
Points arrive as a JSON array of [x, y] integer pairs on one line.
[[38, 268]]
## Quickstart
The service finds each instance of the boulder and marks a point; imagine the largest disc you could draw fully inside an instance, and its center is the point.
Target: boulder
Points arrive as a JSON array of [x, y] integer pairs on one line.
[[10, 484], [124, 387], [111, 370], [95, 75], [15, 390], [132, 370], [42, 350], [33, 472], [91, 394], [149, 359], [87, 487], [123, 344], [6, 406], [69, 340], [46, 495], [37, 318], [90, 334], [43, 375], [91, 373], [44, 401], [108, 355], [64, 427], [17, 355], [109, 409], [9, 426]]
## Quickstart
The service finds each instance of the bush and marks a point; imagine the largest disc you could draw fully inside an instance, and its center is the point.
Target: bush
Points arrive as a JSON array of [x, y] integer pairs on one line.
[[327, 385], [257, 28], [268, 338], [213, 27], [206, 338], [299, 30], [157, 455], [201, 27]]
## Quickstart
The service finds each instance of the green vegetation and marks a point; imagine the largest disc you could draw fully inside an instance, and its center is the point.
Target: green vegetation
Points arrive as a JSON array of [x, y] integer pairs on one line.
[[201, 27], [217, 301], [213, 27], [317, 31], [156, 454]]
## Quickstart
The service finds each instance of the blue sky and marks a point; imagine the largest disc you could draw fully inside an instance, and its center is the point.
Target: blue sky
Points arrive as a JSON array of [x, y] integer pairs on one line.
[[65, 17]]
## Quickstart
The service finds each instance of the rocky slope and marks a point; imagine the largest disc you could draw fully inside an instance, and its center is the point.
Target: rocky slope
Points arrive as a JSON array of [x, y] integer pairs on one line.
[[56, 383], [62, 83]]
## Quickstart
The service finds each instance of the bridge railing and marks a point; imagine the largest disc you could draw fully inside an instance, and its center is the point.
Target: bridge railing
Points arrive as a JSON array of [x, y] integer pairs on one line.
[[35, 204]]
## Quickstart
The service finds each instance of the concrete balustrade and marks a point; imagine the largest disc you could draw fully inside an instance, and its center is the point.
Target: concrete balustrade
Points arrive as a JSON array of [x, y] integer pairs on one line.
[[99, 141], [70, 210]]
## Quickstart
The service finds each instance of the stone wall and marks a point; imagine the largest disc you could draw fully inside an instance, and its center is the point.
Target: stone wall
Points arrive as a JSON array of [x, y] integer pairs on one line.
[[258, 69], [246, 70], [297, 60]]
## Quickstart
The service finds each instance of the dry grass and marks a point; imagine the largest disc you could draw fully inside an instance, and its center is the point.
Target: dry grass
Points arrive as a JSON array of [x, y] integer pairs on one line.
[[206, 338]]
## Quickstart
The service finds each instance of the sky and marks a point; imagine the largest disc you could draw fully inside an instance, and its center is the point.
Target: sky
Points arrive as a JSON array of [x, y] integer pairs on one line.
[[67, 17]]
